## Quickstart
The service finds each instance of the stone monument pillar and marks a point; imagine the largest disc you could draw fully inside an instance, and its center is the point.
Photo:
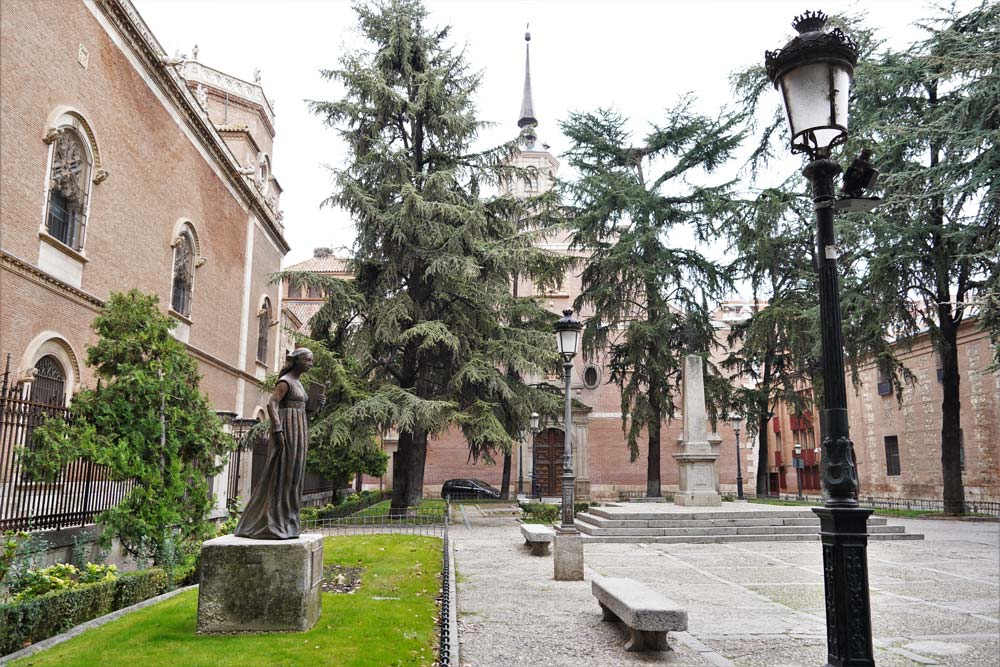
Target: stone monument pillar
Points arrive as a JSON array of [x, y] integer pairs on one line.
[[696, 460]]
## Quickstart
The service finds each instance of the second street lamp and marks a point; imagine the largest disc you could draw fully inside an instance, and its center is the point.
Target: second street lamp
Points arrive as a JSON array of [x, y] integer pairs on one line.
[[797, 460], [534, 480], [813, 72], [735, 421], [568, 343]]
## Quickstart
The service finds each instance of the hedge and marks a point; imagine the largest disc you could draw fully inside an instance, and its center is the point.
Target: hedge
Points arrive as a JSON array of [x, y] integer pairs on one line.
[[30, 621], [133, 587]]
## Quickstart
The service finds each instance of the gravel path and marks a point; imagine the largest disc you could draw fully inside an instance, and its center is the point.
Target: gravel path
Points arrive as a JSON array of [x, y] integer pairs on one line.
[[749, 604]]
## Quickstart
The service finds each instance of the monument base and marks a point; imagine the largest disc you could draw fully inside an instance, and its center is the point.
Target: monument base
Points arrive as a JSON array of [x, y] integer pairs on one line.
[[260, 585], [567, 556], [697, 480]]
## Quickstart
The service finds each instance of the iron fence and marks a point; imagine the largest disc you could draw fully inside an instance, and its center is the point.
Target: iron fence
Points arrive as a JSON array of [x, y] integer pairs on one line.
[[79, 492], [411, 522], [444, 599], [987, 507]]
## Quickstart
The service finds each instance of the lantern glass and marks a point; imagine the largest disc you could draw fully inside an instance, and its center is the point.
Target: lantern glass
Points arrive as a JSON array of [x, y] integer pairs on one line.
[[735, 422], [534, 421], [568, 339], [816, 96], [798, 449]]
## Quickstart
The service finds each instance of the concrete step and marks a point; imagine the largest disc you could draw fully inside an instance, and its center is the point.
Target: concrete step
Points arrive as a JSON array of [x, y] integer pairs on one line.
[[614, 514], [631, 524], [718, 539]]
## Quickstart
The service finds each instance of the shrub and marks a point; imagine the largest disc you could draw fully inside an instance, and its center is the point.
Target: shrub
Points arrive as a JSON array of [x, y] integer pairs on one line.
[[548, 513], [29, 621], [92, 573], [39, 582], [133, 587]]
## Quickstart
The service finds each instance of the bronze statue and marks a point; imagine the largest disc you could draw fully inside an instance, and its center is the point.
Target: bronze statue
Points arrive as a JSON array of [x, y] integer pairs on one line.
[[273, 510]]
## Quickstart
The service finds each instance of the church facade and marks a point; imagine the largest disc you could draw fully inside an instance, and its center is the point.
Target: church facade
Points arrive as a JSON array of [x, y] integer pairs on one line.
[[124, 167]]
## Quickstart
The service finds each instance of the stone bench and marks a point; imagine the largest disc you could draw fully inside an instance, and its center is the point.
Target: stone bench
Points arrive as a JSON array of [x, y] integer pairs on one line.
[[538, 537], [648, 615]]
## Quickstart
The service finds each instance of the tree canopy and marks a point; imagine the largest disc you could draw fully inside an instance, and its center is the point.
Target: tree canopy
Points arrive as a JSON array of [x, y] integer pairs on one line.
[[647, 292], [437, 331]]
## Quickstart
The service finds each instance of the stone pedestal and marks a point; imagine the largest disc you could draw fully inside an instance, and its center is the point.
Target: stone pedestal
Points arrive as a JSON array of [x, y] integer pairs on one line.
[[567, 556], [699, 485], [260, 585], [697, 480]]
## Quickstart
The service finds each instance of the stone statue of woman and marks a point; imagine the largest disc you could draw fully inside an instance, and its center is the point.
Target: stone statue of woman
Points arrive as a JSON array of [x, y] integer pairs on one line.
[[273, 510]]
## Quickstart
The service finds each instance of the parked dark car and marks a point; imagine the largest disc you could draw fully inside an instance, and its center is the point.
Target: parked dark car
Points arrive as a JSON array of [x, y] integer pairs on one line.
[[468, 488]]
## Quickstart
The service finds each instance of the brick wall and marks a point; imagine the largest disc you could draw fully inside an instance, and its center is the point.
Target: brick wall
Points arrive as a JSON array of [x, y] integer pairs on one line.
[[157, 176]]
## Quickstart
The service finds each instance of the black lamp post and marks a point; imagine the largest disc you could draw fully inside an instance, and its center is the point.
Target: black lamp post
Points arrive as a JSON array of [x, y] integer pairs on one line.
[[568, 342], [534, 431], [520, 463], [813, 73], [735, 421]]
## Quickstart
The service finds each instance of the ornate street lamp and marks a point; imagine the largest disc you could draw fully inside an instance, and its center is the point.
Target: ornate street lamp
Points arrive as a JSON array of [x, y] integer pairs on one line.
[[568, 343], [797, 459], [813, 73], [534, 481], [735, 421]]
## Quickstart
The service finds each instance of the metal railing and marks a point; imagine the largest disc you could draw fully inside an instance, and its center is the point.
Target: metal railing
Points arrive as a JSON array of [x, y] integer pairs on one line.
[[80, 491], [414, 521], [987, 507], [444, 617]]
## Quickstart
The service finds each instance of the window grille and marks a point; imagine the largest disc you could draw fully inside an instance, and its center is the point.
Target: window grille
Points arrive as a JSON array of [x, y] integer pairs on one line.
[[49, 385], [263, 328], [892, 468], [69, 188], [183, 285]]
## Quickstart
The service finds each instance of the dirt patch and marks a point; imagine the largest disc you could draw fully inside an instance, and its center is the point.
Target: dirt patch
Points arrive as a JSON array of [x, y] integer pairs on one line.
[[340, 579]]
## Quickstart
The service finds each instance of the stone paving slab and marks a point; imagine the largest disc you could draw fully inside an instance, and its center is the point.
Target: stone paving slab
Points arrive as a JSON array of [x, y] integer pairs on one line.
[[748, 604]]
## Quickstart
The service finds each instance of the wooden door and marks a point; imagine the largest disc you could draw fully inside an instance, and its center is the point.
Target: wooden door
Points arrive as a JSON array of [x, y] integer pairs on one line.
[[549, 461]]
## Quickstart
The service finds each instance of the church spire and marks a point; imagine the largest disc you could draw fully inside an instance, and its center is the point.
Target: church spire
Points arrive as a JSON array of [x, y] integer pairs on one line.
[[527, 110]]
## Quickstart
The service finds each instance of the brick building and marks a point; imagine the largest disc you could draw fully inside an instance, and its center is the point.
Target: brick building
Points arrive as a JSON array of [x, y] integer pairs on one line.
[[121, 168], [897, 439]]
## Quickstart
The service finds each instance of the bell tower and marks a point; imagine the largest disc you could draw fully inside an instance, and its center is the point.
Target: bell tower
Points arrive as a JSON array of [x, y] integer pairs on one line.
[[533, 156]]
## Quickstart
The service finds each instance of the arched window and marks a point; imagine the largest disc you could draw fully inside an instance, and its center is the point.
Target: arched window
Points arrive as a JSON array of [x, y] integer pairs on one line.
[[183, 284], [49, 385], [69, 188], [263, 329]]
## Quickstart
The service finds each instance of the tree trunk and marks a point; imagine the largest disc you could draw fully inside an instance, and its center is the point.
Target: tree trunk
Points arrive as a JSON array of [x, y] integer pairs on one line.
[[408, 472], [653, 488], [505, 478], [951, 408], [763, 409], [762, 457]]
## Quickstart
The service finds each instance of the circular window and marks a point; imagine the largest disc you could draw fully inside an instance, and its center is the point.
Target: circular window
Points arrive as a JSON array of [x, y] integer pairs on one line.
[[591, 377]]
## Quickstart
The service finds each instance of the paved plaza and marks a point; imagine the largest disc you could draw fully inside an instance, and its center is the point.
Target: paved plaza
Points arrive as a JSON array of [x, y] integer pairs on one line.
[[934, 601]]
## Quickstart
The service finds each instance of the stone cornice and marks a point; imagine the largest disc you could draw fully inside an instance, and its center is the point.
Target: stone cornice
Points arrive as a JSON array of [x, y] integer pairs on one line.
[[126, 19], [241, 92], [32, 273]]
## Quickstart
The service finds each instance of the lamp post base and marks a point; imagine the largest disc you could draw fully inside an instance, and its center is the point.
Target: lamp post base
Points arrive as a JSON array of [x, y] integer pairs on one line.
[[844, 533], [567, 556]]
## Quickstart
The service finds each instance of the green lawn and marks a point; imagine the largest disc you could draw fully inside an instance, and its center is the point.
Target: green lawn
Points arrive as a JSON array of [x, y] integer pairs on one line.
[[355, 630]]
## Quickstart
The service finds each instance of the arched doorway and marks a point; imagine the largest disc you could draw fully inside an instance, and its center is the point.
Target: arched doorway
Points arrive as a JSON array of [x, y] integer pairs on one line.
[[549, 447]]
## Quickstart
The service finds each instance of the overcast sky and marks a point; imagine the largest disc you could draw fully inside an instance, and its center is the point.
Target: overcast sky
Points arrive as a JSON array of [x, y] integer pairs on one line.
[[636, 56]]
